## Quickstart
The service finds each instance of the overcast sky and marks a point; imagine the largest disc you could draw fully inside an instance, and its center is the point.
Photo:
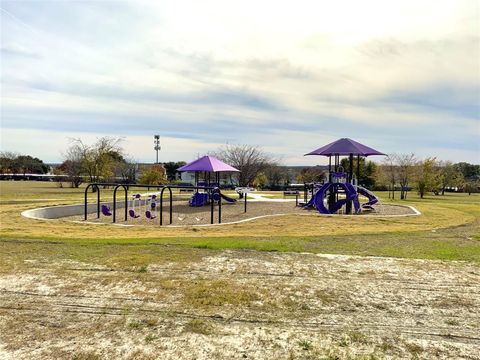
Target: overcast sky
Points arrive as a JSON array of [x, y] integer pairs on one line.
[[399, 76]]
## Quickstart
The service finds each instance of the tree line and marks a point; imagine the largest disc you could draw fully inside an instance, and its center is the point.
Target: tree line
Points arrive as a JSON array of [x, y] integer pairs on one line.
[[14, 163], [404, 172], [105, 161]]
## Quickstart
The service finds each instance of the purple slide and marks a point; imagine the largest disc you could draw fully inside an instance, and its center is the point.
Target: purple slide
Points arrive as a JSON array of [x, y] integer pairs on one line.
[[372, 199], [216, 194], [350, 193], [227, 198]]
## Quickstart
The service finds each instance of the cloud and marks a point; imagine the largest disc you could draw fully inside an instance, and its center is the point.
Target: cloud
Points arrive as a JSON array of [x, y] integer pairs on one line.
[[402, 77]]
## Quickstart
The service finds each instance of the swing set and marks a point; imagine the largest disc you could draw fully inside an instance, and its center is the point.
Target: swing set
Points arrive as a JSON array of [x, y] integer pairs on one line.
[[151, 205]]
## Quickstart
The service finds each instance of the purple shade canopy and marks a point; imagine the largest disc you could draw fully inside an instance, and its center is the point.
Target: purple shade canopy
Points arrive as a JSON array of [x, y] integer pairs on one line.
[[207, 163], [345, 146]]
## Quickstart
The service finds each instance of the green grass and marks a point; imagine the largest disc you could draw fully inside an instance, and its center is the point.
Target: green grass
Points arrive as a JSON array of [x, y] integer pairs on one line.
[[447, 230]]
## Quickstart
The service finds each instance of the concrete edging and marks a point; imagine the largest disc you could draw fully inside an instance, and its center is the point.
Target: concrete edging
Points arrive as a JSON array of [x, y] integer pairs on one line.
[[58, 212]]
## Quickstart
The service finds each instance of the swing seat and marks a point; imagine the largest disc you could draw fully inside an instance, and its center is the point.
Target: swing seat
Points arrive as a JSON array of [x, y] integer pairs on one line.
[[133, 214], [106, 210], [149, 215]]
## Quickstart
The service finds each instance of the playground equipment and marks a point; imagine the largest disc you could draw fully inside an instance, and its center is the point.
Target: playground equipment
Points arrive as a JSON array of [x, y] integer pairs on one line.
[[132, 212], [159, 201], [153, 201], [149, 215], [106, 210], [340, 182], [208, 165], [198, 199]]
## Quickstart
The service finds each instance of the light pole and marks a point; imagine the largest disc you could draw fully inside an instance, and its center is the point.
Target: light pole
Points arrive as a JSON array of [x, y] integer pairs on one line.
[[156, 141]]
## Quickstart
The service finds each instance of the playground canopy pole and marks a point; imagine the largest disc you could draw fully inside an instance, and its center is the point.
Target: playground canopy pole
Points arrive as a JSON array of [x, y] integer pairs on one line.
[[350, 178]]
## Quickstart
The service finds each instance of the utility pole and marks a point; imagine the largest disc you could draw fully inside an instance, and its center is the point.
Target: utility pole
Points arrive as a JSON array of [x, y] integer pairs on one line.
[[156, 141]]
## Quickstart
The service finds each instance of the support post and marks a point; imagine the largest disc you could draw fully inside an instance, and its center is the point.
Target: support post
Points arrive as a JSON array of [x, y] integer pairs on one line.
[[211, 206], [219, 208], [349, 179], [98, 202]]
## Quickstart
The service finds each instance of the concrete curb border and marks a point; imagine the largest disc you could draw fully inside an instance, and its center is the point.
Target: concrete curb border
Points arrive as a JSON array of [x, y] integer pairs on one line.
[[53, 213]]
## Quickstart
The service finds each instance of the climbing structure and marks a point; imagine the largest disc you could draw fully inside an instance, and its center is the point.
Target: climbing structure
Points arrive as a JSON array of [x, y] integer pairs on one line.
[[342, 188]]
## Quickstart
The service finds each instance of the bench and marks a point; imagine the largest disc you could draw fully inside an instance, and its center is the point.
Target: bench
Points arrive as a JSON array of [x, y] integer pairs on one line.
[[290, 193], [187, 190]]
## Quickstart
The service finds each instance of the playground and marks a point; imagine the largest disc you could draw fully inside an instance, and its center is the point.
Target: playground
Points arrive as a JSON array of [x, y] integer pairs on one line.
[[363, 282], [340, 194]]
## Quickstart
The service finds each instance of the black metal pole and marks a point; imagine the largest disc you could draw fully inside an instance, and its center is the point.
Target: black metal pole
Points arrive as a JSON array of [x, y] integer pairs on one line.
[[115, 203], [349, 179], [331, 192], [211, 207], [358, 169], [245, 195], [161, 207], [330, 168], [98, 202], [171, 205], [125, 188], [86, 201], [219, 208]]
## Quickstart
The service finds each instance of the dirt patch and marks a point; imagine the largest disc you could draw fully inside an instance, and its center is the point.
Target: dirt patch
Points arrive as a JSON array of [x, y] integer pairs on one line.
[[242, 304]]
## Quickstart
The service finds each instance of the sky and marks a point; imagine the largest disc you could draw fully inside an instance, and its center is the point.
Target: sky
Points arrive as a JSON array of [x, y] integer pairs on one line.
[[291, 76]]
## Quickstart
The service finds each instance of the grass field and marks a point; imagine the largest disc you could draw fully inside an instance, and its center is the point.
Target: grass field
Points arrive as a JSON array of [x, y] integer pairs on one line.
[[247, 290], [448, 228]]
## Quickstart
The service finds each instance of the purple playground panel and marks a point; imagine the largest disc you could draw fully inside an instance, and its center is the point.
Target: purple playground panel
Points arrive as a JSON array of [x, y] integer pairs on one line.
[[202, 199], [198, 199]]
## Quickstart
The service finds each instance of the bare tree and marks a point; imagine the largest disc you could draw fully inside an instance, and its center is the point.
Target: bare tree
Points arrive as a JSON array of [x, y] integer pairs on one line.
[[72, 165], [390, 172], [127, 170], [250, 160], [311, 175], [406, 165], [277, 176]]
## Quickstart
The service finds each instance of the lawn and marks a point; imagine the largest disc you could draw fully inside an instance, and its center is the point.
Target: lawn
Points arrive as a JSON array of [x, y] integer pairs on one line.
[[447, 229], [257, 290]]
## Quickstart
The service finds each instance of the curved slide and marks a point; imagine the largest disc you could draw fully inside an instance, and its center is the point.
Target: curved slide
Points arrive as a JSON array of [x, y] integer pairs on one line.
[[351, 195], [372, 199]]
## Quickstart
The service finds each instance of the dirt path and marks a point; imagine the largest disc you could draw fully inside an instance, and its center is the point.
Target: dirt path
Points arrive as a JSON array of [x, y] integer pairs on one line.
[[243, 305]]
